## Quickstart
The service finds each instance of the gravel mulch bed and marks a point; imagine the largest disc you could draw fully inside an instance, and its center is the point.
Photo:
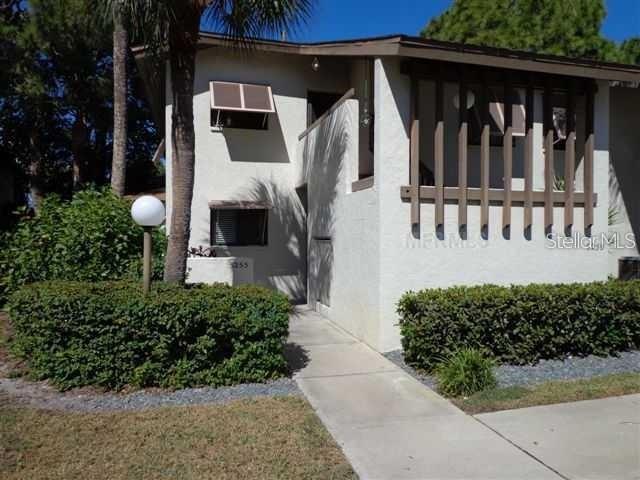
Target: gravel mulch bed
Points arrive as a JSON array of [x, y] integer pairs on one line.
[[42, 395], [546, 370]]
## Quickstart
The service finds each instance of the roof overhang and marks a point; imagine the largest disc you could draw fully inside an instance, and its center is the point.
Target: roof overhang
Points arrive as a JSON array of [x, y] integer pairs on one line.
[[421, 48]]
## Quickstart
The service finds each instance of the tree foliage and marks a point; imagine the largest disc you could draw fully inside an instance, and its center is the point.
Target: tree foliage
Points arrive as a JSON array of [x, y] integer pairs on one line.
[[569, 28], [56, 91], [91, 238]]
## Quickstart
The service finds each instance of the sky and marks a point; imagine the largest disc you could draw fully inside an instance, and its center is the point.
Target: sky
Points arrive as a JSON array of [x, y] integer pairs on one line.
[[342, 19]]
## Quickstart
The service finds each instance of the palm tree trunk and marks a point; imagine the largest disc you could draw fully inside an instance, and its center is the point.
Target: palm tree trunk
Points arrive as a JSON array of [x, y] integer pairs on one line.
[[35, 173], [119, 161], [78, 151], [182, 61]]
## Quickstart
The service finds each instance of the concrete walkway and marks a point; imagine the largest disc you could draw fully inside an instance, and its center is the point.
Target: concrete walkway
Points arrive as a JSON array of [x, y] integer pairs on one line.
[[389, 425], [593, 439]]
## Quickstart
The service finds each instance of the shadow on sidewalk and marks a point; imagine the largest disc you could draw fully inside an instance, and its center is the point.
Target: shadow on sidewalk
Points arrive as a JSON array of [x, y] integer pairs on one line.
[[296, 356]]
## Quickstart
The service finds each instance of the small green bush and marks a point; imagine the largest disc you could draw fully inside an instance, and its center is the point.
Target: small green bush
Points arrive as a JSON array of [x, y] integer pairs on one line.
[[110, 334], [465, 372], [521, 324], [92, 238]]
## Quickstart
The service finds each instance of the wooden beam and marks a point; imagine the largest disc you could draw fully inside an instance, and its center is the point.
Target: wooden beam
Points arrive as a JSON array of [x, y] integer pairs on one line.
[[414, 167], [462, 153], [548, 156], [528, 158], [507, 152], [362, 184], [588, 155], [438, 154], [570, 159], [496, 196], [485, 151]]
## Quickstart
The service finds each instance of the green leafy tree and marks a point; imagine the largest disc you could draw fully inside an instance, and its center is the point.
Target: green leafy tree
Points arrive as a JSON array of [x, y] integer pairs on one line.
[[630, 50], [90, 238], [171, 27], [56, 99], [570, 27]]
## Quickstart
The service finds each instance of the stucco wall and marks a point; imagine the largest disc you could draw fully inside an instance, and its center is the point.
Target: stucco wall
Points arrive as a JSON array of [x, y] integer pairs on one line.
[[625, 171], [239, 164], [343, 227], [409, 263]]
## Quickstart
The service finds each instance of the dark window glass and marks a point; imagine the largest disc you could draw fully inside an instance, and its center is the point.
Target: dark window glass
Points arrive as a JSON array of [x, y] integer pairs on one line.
[[235, 119], [239, 227], [319, 103]]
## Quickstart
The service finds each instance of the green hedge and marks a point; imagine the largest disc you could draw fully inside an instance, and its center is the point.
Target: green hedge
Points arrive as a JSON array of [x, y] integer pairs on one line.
[[110, 334], [521, 324], [91, 237]]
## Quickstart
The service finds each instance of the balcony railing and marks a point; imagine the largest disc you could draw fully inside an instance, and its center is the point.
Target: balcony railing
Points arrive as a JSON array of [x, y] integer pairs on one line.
[[462, 194]]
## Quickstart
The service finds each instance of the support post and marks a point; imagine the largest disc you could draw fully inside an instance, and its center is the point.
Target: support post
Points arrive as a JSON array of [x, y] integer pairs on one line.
[[438, 154], [570, 160], [414, 161], [146, 261], [588, 158], [528, 159], [462, 156], [549, 174], [485, 151], [507, 153]]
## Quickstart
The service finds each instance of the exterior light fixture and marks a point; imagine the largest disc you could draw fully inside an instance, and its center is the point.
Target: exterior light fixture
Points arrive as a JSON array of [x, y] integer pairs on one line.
[[471, 100], [148, 212], [315, 64]]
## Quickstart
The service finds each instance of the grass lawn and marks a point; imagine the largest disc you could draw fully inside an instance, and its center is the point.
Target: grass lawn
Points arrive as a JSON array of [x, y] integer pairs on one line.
[[550, 392], [265, 438]]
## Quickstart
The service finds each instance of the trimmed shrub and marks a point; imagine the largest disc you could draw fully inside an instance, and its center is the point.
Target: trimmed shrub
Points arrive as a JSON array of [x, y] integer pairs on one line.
[[521, 324], [110, 334], [92, 237], [465, 372]]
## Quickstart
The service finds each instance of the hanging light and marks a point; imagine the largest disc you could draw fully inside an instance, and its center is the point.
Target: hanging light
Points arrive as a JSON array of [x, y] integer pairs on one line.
[[315, 64]]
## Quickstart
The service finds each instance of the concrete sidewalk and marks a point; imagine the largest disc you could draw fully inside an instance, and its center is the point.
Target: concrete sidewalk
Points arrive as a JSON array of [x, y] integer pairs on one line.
[[592, 439], [389, 425]]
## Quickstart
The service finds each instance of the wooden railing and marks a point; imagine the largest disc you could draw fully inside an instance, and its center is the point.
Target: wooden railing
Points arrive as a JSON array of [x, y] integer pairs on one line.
[[507, 197]]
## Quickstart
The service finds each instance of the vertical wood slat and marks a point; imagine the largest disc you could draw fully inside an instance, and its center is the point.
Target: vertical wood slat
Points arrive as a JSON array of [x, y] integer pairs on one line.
[[462, 154], [507, 152], [528, 157], [548, 155], [484, 156], [438, 145], [588, 157], [414, 168], [570, 159]]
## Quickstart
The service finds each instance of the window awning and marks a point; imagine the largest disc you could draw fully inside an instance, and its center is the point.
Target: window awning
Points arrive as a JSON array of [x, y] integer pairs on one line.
[[241, 97], [239, 205]]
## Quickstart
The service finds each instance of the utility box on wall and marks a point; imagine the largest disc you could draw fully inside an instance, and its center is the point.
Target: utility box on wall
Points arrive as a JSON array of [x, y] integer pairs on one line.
[[230, 270], [629, 268]]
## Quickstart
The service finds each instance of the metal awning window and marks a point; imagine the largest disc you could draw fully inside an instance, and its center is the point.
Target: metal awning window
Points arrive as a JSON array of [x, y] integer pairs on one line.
[[239, 223], [241, 97]]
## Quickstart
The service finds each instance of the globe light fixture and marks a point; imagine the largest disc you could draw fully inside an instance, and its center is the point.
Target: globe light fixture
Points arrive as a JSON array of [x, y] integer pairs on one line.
[[148, 212], [471, 99], [315, 64]]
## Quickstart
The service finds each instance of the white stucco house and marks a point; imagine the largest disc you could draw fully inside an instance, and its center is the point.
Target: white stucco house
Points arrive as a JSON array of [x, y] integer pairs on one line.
[[347, 173]]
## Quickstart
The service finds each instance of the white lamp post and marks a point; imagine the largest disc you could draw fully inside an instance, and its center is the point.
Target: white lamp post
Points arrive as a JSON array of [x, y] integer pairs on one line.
[[148, 212]]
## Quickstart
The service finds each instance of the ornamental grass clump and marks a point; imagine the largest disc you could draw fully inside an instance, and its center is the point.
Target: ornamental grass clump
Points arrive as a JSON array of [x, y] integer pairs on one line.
[[465, 372]]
